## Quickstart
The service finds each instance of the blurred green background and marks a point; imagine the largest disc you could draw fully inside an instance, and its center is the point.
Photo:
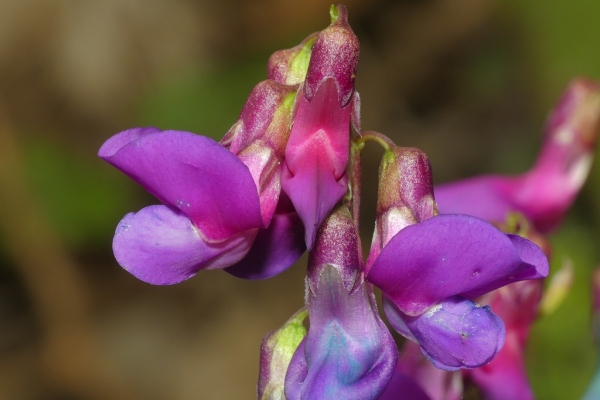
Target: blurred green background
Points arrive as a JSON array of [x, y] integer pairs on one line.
[[468, 81]]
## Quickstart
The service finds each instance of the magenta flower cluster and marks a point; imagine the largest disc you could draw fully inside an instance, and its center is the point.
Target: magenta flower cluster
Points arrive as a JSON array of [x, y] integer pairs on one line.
[[286, 179]]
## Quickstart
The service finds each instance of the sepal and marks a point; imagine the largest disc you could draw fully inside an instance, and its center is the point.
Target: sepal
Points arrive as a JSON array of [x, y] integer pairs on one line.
[[276, 351]]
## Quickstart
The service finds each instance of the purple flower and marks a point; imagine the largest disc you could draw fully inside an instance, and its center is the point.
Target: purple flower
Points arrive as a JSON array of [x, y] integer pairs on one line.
[[217, 203], [348, 352], [223, 205], [314, 176], [546, 192], [169, 243], [431, 267], [543, 195]]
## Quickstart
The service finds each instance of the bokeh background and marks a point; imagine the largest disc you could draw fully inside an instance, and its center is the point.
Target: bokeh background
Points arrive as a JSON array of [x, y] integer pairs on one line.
[[468, 81]]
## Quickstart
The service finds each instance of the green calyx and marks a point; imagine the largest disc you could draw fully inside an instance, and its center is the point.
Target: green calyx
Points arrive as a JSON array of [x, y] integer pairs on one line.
[[286, 340], [334, 12], [280, 347], [299, 64]]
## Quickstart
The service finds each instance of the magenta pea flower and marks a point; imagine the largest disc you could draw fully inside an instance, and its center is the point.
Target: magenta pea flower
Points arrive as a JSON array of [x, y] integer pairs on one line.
[[543, 195], [316, 156], [166, 244], [217, 204], [223, 204], [348, 352], [431, 267], [546, 192]]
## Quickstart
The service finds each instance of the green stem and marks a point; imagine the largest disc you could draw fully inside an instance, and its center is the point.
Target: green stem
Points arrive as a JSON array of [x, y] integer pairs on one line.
[[377, 137]]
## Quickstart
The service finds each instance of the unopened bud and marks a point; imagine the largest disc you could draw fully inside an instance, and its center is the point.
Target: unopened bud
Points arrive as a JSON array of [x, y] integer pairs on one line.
[[289, 66], [276, 352], [405, 194], [337, 244], [334, 55]]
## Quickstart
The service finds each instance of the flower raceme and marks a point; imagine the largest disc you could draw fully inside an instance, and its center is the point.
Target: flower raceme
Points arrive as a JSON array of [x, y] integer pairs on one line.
[[279, 183], [223, 204]]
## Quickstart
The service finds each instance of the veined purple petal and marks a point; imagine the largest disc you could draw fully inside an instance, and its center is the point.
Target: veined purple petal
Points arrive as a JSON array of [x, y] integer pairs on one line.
[[450, 255], [192, 173], [116, 142], [316, 157], [161, 246], [455, 333], [314, 192], [348, 352], [275, 249]]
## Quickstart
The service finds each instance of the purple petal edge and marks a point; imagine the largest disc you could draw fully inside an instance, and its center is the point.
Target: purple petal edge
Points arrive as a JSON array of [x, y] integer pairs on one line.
[[192, 173], [161, 246], [450, 255]]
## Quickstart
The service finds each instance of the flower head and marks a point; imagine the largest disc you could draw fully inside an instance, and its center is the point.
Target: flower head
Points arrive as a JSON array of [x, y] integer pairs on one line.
[[431, 267]]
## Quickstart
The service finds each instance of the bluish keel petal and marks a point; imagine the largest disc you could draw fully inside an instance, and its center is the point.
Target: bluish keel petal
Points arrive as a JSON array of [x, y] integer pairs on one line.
[[348, 352], [456, 333]]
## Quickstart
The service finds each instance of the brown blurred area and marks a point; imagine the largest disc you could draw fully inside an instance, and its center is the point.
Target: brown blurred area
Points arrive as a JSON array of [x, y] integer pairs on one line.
[[73, 325]]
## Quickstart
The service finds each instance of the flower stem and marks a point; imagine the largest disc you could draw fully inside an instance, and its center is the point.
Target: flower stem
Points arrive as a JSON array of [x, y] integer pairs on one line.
[[383, 140]]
